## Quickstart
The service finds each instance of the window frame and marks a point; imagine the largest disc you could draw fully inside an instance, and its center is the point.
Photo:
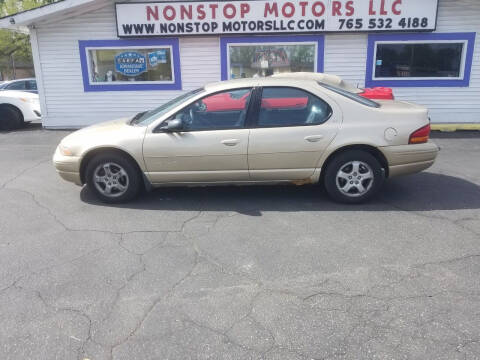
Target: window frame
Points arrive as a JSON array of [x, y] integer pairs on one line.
[[226, 42], [249, 107], [468, 39], [172, 43], [258, 103]]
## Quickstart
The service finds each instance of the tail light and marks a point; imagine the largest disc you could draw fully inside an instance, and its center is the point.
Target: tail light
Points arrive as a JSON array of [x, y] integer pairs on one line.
[[420, 136]]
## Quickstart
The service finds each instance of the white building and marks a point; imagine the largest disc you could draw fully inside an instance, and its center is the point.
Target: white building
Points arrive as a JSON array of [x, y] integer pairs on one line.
[[96, 60]]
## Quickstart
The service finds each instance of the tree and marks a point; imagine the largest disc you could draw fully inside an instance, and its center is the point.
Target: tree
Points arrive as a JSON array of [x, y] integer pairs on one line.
[[15, 45]]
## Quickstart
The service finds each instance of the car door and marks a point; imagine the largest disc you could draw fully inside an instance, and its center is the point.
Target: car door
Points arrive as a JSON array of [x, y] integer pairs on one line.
[[292, 129], [211, 147]]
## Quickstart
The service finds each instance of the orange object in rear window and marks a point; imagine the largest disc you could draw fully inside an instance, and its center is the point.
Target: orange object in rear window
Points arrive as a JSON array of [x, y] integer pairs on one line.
[[378, 93], [420, 136]]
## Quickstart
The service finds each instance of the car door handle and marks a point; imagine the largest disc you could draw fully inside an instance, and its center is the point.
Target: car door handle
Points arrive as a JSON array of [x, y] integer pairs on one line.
[[313, 138], [230, 142]]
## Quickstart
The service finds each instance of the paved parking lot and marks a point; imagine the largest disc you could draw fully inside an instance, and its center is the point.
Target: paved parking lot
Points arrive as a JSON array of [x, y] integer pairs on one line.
[[238, 273]]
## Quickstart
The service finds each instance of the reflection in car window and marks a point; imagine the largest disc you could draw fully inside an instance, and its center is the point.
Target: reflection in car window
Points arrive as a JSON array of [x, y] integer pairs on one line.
[[351, 96], [283, 106], [225, 110], [146, 118]]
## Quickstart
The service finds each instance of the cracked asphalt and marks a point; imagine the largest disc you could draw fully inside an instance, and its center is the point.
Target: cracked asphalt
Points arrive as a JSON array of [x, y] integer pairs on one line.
[[238, 273]]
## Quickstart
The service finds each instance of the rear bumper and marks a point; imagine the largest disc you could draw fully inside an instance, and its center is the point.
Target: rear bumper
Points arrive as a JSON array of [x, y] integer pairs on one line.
[[410, 159], [68, 167]]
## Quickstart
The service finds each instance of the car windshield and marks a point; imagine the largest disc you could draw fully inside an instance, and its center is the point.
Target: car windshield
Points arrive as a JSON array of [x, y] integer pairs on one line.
[[146, 118], [2, 86], [351, 96]]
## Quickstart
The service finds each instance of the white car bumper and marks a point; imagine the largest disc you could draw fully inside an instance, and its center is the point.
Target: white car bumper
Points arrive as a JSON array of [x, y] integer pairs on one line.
[[31, 111]]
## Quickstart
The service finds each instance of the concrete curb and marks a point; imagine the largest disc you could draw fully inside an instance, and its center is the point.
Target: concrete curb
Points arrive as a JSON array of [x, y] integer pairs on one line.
[[455, 127]]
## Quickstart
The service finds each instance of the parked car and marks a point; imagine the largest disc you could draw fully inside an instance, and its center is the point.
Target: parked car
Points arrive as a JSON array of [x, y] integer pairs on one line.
[[28, 85], [298, 129], [18, 107]]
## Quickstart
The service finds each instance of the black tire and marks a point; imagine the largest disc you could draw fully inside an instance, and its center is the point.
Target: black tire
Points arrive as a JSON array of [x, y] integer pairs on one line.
[[132, 184], [10, 119], [336, 184]]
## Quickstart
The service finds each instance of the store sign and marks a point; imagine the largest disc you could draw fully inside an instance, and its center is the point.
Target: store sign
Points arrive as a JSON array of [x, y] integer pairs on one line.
[[157, 57], [267, 16], [130, 63]]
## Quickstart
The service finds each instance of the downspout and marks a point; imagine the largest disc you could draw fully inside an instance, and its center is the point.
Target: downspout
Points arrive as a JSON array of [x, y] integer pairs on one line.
[[37, 65]]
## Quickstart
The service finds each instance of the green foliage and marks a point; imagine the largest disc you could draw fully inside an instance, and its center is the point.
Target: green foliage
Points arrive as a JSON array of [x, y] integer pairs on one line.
[[15, 44]]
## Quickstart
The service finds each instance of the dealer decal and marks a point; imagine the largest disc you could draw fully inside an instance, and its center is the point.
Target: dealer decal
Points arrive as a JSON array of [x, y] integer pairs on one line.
[[281, 16], [130, 63]]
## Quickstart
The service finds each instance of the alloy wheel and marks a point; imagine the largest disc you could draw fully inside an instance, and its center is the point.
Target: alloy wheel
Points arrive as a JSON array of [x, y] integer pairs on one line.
[[354, 179], [111, 179]]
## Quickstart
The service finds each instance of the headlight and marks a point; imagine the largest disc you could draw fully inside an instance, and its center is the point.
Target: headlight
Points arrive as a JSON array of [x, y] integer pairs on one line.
[[64, 150]]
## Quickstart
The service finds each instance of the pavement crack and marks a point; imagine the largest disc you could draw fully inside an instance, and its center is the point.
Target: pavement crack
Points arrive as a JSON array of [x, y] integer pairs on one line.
[[11, 180]]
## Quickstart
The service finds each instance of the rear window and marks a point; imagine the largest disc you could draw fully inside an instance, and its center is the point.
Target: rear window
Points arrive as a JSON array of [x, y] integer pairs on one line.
[[351, 96]]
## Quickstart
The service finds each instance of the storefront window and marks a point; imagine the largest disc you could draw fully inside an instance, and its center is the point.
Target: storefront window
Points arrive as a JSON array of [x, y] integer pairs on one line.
[[130, 65], [420, 60], [120, 65], [264, 60], [246, 57]]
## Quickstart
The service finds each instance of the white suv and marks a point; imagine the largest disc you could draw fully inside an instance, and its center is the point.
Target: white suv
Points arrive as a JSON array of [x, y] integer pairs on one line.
[[17, 107]]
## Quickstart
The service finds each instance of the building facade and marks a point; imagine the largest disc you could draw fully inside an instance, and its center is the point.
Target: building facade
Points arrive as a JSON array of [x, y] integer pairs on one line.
[[96, 60]]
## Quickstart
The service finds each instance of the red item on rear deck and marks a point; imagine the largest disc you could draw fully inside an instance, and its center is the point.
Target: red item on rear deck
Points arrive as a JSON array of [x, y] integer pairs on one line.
[[378, 93]]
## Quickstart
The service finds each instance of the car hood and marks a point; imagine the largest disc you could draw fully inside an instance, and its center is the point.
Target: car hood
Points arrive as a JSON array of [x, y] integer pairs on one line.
[[117, 134], [106, 126], [15, 94]]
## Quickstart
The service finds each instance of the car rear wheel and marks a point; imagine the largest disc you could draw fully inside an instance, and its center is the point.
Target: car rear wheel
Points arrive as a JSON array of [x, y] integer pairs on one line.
[[113, 178], [9, 118], [353, 177]]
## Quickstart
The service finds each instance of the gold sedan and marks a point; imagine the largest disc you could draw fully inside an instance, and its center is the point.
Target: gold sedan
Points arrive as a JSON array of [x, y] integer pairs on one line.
[[295, 128]]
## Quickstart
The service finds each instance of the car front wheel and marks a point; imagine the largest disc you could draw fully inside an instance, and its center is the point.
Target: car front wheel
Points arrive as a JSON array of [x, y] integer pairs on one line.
[[10, 118], [113, 178], [353, 177]]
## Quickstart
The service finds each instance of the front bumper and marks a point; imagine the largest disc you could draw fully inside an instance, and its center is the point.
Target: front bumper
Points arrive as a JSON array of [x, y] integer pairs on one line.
[[410, 159], [68, 167], [32, 112]]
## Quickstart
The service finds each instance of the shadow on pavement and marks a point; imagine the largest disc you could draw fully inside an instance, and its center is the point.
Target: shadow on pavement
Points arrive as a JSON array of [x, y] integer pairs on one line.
[[26, 127], [420, 192]]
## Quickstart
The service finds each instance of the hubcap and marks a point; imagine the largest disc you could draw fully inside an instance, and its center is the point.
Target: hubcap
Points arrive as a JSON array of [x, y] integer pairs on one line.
[[354, 178], [111, 179]]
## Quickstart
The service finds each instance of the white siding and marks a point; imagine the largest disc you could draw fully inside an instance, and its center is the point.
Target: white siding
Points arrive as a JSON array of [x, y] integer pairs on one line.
[[345, 55]]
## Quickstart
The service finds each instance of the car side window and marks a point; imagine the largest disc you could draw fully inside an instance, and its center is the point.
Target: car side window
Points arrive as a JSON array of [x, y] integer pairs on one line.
[[285, 106], [221, 111], [31, 85], [17, 85]]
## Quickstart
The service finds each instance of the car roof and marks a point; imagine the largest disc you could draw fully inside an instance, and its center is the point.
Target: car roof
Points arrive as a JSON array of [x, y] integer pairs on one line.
[[252, 82], [284, 79], [16, 80]]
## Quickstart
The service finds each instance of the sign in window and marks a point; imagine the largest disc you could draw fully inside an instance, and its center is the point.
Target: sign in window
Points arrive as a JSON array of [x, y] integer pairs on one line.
[[130, 65]]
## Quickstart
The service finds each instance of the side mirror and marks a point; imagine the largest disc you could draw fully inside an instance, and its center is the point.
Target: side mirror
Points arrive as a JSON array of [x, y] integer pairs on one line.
[[173, 125]]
